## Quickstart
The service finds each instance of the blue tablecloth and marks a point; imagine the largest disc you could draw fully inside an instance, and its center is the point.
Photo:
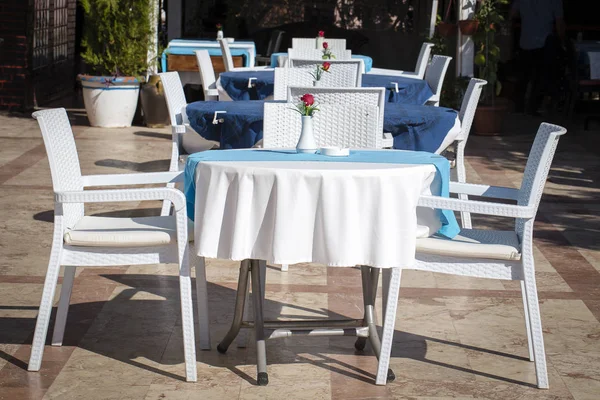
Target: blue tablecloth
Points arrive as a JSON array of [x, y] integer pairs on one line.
[[236, 85], [419, 128], [449, 225], [176, 48], [366, 59], [410, 91]]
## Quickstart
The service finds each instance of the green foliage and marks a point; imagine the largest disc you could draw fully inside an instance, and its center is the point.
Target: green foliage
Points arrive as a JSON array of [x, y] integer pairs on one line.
[[439, 42], [116, 36], [487, 53]]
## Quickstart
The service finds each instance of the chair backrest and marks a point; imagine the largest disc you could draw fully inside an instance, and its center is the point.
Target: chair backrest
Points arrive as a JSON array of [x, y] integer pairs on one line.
[[538, 164], [347, 125], [336, 45], [468, 107], [435, 73], [226, 53], [368, 96], [174, 95], [207, 72], [314, 54], [274, 42], [342, 73], [286, 77], [62, 157], [423, 59]]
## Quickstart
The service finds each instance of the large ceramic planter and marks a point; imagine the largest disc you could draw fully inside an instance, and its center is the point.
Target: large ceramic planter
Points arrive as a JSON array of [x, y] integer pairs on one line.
[[468, 27], [446, 30], [489, 118], [110, 102]]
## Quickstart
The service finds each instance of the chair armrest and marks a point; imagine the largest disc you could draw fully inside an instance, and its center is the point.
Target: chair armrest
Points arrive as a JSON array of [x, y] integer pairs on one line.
[[477, 207], [106, 196], [496, 192], [388, 140], [147, 178], [178, 128]]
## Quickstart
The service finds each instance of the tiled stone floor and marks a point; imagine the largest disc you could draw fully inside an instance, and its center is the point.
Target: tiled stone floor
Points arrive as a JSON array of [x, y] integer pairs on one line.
[[455, 337]]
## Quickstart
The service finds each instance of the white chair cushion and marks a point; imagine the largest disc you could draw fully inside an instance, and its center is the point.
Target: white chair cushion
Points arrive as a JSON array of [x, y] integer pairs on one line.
[[474, 243], [123, 232]]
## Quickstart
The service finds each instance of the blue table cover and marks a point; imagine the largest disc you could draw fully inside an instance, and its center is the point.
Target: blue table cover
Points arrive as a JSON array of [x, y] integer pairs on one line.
[[419, 128], [213, 51], [410, 91], [449, 227], [236, 85], [366, 59]]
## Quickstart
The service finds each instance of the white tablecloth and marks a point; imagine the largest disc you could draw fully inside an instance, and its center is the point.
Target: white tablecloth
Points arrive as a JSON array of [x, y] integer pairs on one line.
[[337, 214]]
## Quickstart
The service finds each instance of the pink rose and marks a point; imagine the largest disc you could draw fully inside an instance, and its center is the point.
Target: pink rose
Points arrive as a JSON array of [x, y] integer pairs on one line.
[[321, 33], [325, 45], [308, 99], [326, 66]]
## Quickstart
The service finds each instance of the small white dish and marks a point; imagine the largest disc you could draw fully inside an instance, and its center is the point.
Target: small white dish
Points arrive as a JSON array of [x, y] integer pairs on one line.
[[334, 151], [230, 39]]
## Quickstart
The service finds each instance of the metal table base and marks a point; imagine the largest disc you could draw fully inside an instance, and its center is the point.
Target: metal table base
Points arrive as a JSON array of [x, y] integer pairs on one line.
[[364, 329]]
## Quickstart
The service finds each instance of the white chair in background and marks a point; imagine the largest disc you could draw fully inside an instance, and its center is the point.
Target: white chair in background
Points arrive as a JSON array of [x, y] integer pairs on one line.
[[341, 72], [88, 241], [314, 54], [286, 77], [421, 67], [434, 75], [335, 45], [228, 59], [490, 253], [207, 75]]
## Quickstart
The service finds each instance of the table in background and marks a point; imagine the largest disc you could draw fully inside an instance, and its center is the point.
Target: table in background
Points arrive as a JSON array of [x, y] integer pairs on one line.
[[421, 128]]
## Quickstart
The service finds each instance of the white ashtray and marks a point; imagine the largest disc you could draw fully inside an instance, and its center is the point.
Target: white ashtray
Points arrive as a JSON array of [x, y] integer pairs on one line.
[[230, 39], [334, 151]]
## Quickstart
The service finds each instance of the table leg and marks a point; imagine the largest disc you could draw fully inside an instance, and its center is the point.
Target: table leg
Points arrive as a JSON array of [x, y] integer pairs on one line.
[[370, 278], [240, 301], [261, 351]]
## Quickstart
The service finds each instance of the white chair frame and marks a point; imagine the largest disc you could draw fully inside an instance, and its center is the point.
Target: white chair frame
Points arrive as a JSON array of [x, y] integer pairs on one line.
[[524, 212], [434, 75], [286, 77], [68, 185], [420, 68], [314, 54], [335, 45], [207, 75], [342, 73]]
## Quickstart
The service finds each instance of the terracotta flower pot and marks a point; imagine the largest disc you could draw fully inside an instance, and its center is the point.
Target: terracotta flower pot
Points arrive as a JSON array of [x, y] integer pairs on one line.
[[468, 27], [489, 118], [445, 29]]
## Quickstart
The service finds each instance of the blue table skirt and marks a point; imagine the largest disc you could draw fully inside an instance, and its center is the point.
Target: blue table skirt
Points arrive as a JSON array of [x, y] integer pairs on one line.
[[366, 59], [410, 91], [419, 128]]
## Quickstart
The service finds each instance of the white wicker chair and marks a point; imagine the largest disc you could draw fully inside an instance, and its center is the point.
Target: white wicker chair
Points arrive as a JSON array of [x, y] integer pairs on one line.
[[228, 59], [421, 67], [82, 241], [342, 73], [184, 137], [434, 75], [311, 43], [207, 75], [314, 54], [489, 253], [286, 77]]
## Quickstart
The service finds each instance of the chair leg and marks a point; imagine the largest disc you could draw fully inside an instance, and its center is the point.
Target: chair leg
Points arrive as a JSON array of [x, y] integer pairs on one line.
[[63, 306], [261, 350], [187, 315], [386, 275], [535, 323], [527, 325], [43, 319], [202, 300], [465, 217], [383, 370], [284, 267]]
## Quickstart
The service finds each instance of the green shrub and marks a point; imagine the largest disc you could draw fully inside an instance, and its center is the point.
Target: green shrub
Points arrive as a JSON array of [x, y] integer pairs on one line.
[[116, 36]]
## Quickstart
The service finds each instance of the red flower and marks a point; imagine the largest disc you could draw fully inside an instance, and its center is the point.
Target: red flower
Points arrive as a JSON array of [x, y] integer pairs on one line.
[[321, 33], [308, 99], [325, 45], [326, 66]]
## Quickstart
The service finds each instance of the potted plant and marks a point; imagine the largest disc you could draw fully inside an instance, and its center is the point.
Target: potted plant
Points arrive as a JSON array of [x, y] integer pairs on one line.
[[445, 28], [116, 38], [469, 26], [491, 109]]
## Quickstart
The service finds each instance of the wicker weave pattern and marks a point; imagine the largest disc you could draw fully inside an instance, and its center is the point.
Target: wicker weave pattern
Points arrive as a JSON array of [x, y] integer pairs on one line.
[[314, 54], [392, 284], [355, 96], [334, 125], [311, 43], [286, 77], [434, 75], [341, 73]]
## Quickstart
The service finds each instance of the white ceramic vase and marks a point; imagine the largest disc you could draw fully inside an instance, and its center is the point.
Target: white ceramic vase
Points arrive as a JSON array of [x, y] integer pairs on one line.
[[320, 41], [219, 34], [306, 142]]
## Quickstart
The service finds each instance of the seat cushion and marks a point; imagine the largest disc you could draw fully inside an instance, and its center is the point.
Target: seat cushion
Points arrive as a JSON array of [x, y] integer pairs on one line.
[[474, 243], [123, 232]]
